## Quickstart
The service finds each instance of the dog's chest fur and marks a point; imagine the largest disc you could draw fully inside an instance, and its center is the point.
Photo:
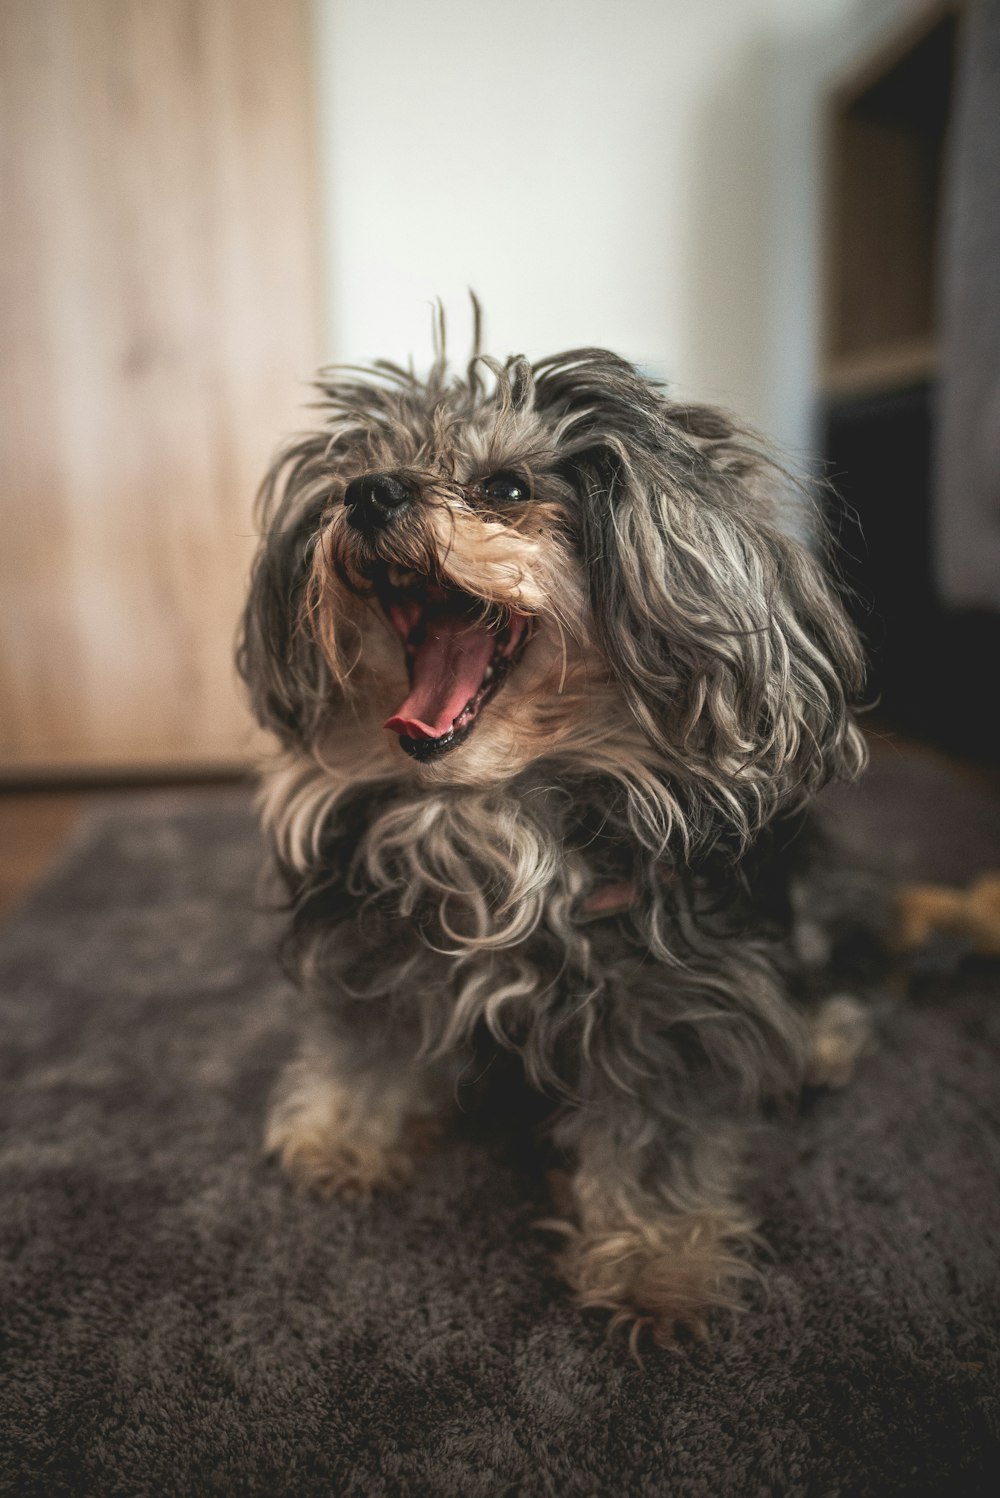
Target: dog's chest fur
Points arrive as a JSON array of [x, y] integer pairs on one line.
[[452, 911]]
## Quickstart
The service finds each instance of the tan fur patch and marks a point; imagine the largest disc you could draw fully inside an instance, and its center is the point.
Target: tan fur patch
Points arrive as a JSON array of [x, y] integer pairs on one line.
[[332, 1140], [665, 1273], [840, 1035]]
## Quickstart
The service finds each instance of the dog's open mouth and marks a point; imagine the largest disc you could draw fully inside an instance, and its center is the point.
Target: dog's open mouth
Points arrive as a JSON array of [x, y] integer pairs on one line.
[[459, 651]]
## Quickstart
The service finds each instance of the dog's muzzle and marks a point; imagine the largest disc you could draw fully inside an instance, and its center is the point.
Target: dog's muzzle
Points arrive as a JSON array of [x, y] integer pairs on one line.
[[375, 500]]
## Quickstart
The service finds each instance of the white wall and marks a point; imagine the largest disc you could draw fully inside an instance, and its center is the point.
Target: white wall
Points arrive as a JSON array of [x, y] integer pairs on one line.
[[642, 175]]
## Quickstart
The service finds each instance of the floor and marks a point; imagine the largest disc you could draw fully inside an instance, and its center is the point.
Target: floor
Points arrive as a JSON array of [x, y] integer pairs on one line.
[[35, 825]]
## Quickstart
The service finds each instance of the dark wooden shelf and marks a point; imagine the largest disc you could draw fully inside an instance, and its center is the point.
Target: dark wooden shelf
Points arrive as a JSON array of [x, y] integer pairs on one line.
[[887, 134], [884, 367]]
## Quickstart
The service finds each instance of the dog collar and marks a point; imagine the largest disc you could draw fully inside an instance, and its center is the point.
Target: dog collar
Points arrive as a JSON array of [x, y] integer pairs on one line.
[[613, 899], [610, 899]]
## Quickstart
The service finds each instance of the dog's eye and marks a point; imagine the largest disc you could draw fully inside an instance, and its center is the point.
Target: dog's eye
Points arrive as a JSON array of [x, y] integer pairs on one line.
[[508, 488]]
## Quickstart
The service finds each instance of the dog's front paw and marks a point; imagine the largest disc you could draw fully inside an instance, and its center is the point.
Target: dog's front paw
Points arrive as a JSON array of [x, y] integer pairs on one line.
[[324, 1163], [666, 1276], [332, 1141]]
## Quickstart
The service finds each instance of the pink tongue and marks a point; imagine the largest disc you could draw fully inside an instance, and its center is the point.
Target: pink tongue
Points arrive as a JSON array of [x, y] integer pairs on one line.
[[448, 670]]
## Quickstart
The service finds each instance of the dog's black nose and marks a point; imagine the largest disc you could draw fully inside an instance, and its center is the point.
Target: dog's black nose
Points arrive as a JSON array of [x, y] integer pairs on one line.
[[374, 500]]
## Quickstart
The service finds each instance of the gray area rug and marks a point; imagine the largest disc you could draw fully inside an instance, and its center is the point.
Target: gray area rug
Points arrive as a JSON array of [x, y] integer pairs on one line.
[[175, 1321]]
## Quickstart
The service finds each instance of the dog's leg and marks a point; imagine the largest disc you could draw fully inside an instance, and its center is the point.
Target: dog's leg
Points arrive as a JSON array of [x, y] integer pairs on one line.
[[659, 1236], [341, 1124], [840, 1033]]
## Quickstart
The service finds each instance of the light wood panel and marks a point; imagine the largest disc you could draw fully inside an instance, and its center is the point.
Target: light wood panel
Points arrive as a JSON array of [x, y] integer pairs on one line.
[[159, 311]]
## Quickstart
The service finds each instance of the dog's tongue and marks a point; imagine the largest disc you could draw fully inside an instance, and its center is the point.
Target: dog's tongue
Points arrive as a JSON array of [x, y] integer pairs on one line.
[[448, 669]]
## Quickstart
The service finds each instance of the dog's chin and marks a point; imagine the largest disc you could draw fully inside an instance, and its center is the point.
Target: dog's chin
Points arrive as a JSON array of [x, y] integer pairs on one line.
[[458, 651]]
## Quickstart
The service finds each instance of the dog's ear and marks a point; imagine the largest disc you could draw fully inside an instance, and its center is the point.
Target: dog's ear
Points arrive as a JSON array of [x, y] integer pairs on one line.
[[277, 657], [730, 645]]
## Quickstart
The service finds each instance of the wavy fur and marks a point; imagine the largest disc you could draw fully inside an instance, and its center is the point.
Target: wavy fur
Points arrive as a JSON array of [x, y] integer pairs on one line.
[[685, 693]]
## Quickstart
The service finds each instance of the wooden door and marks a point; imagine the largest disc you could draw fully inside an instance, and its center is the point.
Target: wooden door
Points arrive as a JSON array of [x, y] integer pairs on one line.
[[159, 313]]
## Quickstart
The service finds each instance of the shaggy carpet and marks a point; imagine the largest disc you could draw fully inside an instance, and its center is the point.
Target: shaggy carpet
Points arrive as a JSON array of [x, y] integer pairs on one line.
[[175, 1321]]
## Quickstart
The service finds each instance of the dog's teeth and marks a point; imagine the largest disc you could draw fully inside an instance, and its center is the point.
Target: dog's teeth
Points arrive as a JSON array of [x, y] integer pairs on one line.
[[488, 674]]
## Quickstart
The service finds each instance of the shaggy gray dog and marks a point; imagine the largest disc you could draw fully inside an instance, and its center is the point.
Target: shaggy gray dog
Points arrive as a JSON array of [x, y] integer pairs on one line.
[[554, 689]]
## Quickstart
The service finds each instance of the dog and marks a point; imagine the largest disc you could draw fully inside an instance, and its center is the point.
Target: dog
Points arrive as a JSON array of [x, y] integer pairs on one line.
[[555, 688]]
